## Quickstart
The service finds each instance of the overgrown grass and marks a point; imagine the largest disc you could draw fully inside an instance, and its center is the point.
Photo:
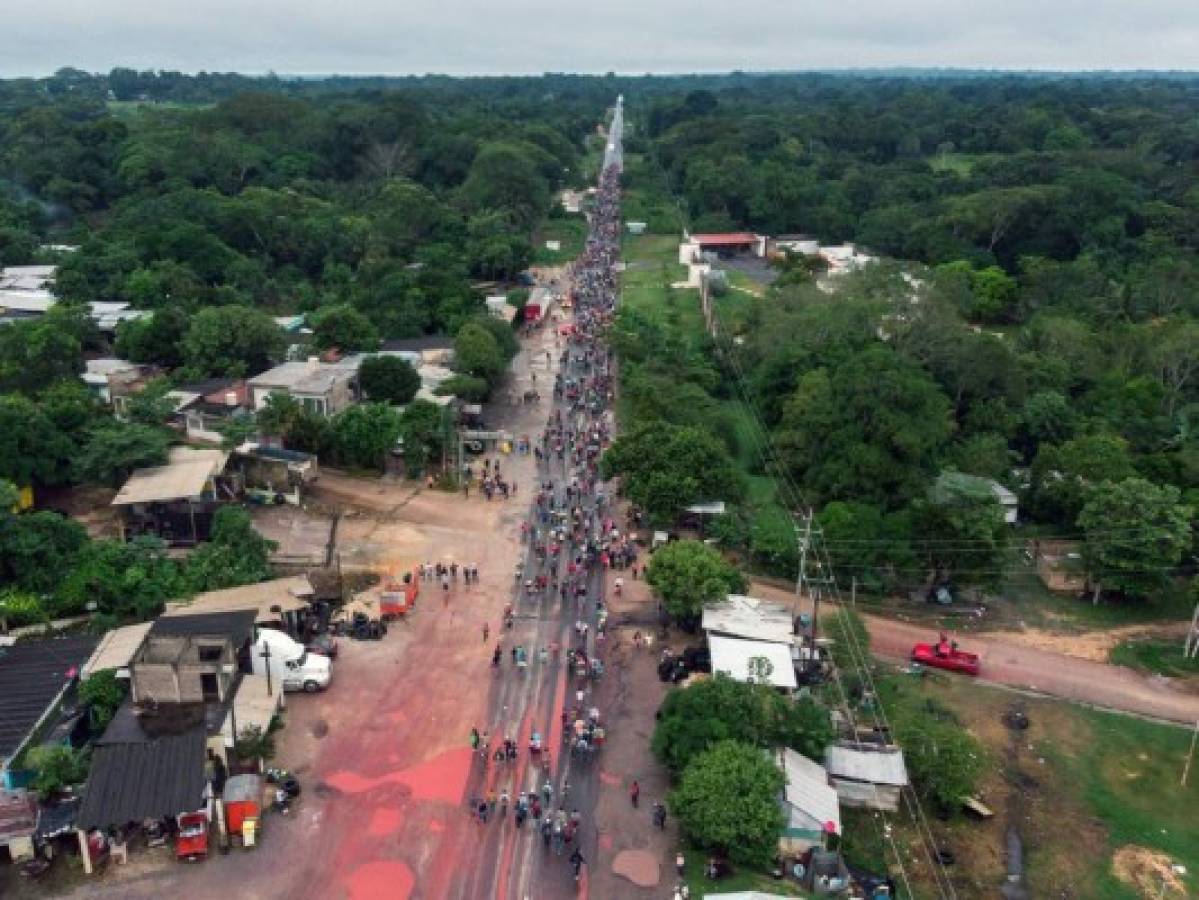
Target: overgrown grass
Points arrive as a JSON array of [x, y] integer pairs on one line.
[[570, 231], [1156, 656], [740, 880]]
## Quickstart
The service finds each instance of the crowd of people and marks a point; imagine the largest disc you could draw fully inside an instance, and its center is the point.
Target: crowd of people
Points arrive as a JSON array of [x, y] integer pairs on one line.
[[570, 538]]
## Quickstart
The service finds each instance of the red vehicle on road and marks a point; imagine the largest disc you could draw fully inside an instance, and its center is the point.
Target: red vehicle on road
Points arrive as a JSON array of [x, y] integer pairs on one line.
[[945, 655]]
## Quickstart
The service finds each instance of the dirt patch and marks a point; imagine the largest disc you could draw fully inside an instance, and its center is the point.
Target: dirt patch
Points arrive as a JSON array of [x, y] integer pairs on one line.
[[1095, 646], [319, 728], [1149, 872]]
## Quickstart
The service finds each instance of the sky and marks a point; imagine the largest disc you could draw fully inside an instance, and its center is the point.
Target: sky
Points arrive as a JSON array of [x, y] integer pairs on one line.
[[462, 37]]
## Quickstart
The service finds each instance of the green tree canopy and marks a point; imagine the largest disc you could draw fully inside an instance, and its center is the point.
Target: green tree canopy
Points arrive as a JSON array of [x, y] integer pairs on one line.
[[944, 760], [478, 353], [960, 530], [126, 580], [664, 468], [344, 327], [235, 554], [688, 574], [868, 431], [32, 449], [1135, 533], [365, 434], [728, 802], [694, 718], [37, 549], [102, 693], [388, 379], [112, 451], [231, 340]]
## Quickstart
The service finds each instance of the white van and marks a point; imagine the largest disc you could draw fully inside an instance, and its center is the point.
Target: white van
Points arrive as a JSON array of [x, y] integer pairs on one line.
[[291, 665]]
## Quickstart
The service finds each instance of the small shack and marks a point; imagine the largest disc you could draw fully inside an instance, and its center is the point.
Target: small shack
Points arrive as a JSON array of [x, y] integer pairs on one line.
[[866, 776], [175, 502], [809, 803]]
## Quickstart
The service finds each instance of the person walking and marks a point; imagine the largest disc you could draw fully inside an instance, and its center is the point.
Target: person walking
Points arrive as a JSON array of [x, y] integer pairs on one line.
[[474, 739], [486, 632], [635, 793], [660, 815]]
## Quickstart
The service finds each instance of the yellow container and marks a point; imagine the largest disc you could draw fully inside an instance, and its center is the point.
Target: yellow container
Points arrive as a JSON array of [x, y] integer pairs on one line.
[[249, 832]]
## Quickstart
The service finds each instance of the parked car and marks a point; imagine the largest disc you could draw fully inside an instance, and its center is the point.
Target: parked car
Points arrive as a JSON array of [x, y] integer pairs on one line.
[[192, 843]]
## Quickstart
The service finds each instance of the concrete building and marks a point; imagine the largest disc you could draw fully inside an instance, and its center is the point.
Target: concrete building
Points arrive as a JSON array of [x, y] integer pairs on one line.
[[325, 388]]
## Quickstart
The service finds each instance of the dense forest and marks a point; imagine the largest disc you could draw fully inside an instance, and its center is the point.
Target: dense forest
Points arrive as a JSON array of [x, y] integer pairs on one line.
[[1033, 320]]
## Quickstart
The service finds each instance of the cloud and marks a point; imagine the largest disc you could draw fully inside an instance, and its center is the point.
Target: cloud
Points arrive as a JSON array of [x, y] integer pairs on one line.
[[630, 36]]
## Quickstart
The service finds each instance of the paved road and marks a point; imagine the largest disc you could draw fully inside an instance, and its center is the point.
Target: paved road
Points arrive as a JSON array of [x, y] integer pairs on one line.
[[1016, 665], [614, 152]]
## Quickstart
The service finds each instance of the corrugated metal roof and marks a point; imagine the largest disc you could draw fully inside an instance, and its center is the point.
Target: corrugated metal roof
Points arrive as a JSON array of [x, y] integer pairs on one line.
[[171, 482], [732, 657], [882, 766], [32, 675], [808, 791], [129, 782], [749, 617], [287, 593]]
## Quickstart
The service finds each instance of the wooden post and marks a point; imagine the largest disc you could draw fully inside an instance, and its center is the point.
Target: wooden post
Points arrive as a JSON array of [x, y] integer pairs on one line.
[[853, 588], [1186, 769], [84, 853]]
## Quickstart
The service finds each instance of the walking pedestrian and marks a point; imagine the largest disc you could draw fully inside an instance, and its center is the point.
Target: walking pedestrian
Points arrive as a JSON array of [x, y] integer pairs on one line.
[[486, 632], [635, 793], [660, 815], [474, 739]]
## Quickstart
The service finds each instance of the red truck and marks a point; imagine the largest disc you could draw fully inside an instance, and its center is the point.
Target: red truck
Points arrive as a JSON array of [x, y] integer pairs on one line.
[[192, 842], [944, 654]]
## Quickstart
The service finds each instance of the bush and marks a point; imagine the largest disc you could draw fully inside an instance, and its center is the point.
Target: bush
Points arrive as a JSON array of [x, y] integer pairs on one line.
[[57, 768]]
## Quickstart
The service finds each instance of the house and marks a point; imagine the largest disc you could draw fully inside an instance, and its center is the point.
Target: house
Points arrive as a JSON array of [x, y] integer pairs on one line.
[[866, 775], [499, 307], [167, 748], [800, 244], [218, 402], [741, 660], [176, 502], [1008, 500], [748, 617], [37, 691], [101, 374], [273, 474], [116, 650], [28, 278], [325, 388], [108, 314], [148, 765], [842, 258], [432, 349], [809, 803], [738, 243]]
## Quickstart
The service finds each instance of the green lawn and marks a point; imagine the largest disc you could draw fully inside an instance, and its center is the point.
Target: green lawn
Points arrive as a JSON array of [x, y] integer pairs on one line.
[[570, 231], [1090, 783], [1156, 656], [739, 880]]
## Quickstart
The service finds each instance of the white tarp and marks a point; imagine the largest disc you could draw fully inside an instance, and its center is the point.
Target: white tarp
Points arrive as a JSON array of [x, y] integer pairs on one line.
[[732, 657]]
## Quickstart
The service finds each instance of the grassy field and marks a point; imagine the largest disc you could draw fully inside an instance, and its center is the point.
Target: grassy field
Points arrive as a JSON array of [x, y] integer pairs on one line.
[[1086, 785], [570, 231], [1158, 657]]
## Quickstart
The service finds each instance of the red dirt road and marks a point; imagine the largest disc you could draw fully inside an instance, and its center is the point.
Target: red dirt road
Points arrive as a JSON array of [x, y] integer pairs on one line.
[[1016, 665]]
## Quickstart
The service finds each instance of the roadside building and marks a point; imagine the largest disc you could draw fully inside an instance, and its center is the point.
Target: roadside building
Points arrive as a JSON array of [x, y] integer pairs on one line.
[[280, 601], [325, 388], [116, 650], [100, 375], [432, 349], [809, 803], [38, 680], [749, 618], [217, 403], [867, 776], [763, 662], [724, 244], [176, 502]]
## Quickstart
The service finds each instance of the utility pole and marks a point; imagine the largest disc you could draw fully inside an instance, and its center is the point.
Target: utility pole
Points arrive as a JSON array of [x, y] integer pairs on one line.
[[1186, 769], [1191, 647]]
